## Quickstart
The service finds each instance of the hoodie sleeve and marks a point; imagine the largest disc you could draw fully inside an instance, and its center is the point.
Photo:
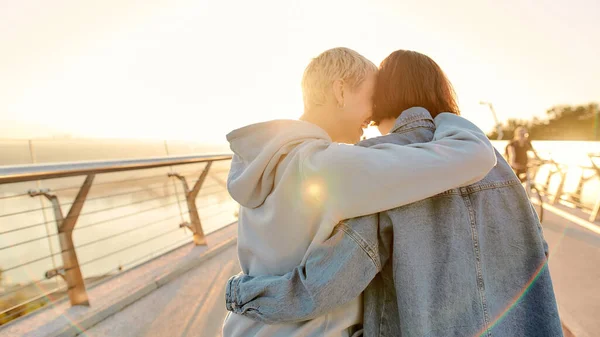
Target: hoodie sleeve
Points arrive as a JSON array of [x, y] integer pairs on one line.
[[354, 181]]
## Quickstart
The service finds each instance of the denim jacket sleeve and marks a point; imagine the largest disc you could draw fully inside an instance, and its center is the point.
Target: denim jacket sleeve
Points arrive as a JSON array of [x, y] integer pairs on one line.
[[336, 271]]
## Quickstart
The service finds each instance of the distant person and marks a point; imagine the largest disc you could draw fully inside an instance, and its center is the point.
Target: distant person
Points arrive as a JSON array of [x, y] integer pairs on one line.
[[295, 180], [518, 152], [467, 262]]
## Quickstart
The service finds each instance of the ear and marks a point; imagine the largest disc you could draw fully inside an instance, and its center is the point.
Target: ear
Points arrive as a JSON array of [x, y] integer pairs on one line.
[[338, 92]]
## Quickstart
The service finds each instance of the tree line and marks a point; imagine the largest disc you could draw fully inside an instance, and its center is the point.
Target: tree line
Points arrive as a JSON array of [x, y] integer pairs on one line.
[[562, 122]]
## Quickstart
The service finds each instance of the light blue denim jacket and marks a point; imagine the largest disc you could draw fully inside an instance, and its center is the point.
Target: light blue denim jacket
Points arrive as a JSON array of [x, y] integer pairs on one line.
[[468, 262]]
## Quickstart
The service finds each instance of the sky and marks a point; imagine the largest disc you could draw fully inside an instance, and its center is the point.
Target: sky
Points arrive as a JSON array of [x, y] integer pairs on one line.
[[195, 70]]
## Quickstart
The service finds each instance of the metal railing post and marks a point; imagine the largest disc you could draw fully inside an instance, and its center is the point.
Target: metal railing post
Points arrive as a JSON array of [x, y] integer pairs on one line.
[[548, 179], [190, 196], [595, 211], [560, 188], [43, 206], [70, 271]]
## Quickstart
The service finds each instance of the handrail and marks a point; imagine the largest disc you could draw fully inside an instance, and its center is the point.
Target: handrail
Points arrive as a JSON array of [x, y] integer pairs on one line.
[[21, 173], [70, 271], [575, 196]]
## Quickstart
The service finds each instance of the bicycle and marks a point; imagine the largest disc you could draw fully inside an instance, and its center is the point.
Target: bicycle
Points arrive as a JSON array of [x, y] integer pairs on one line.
[[536, 192]]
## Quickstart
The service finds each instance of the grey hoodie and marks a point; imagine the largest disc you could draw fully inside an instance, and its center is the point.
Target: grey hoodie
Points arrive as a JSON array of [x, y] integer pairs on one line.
[[294, 185]]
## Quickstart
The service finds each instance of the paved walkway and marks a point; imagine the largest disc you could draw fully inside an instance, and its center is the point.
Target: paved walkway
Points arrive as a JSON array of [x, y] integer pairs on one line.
[[575, 270], [115, 293], [193, 304]]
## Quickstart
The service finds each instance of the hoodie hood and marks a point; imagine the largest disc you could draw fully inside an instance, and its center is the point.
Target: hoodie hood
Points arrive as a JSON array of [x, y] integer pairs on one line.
[[258, 149]]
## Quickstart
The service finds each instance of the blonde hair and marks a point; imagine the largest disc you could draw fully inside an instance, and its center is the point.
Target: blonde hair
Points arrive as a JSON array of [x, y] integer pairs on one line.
[[331, 65]]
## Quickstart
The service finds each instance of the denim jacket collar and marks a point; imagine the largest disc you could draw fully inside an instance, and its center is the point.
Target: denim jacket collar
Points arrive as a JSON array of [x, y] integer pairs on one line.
[[410, 116]]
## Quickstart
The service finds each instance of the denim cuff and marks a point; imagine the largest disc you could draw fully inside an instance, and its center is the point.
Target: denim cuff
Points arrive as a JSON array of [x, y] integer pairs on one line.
[[231, 293]]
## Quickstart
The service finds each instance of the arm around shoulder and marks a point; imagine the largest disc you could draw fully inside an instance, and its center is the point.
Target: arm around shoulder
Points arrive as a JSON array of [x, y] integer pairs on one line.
[[356, 181]]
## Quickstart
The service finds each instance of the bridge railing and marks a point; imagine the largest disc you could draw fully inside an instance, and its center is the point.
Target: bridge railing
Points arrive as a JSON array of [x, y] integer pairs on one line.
[[588, 175], [66, 226]]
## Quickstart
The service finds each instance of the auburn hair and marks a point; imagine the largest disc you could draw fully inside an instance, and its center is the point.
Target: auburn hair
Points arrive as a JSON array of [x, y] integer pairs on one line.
[[409, 79]]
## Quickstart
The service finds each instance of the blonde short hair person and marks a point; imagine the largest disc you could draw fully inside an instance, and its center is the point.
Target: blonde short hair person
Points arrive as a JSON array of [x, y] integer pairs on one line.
[[337, 90]]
